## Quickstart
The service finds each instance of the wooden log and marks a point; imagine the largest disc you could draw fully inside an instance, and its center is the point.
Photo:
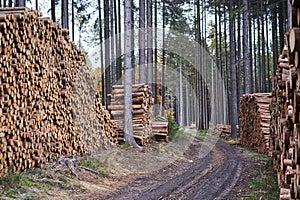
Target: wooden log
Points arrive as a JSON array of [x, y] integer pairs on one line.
[[295, 39]]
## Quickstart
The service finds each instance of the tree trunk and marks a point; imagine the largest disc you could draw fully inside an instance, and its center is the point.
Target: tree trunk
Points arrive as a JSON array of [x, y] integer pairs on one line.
[[259, 66], [233, 111], [227, 70], [101, 54], [107, 52], [53, 10], [269, 84], [263, 57], [20, 3], [149, 44], [274, 39], [247, 67], [64, 14], [132, 41], [255, 60], [155, 108], [73, 20], [216, 37], [119, 44], [163, 91], [220, 43], [239, 58], [112, 43], [128, 123], [142, 58], [180, 93]]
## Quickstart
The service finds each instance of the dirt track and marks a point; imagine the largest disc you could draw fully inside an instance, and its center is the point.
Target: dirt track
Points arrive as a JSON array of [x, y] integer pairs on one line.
[[215, 176]]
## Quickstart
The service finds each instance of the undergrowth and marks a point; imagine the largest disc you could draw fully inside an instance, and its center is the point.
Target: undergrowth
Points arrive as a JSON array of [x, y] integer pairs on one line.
[[264, 186], [14, 184]]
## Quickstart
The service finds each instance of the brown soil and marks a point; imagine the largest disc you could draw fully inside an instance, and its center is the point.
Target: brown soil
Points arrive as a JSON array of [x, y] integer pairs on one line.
[[202, 168]]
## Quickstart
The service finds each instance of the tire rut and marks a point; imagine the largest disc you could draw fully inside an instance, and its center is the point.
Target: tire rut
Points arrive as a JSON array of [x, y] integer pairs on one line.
[[210, 177], [202, 180]]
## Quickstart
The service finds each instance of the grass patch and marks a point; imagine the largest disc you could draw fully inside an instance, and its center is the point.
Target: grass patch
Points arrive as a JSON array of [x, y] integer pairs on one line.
[[96, 165], [264, 186], [124, 145], [13, 184]]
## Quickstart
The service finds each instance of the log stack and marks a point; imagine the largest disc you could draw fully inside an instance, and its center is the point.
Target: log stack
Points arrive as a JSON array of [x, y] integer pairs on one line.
[[141, 111], [160, 130], [254, 118], [285, 124], [41, 87]]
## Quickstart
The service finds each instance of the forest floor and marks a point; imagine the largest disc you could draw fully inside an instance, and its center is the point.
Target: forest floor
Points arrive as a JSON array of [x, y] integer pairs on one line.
[[194, 165]]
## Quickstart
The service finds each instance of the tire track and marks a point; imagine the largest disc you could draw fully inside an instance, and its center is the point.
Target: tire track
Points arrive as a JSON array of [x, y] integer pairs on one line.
[[203, 180]]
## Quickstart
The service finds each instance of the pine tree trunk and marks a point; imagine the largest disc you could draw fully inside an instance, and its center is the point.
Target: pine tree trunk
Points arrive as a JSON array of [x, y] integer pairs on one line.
[[155, 108], [142, 58], [163, 91], [274, 39], [263, 57], [180, 94], [112, 43], [239, 58], [128, 123], [107, 52], [101, 54], [73, 20], [247, 67], [64, 14], [119, 43], [149, 44], [259, 66], [53, 10], [233, 112]]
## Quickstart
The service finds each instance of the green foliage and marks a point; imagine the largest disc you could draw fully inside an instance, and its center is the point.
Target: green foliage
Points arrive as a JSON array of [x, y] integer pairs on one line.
[[265, 186], [14, 184], [173, 126], [96, 165]]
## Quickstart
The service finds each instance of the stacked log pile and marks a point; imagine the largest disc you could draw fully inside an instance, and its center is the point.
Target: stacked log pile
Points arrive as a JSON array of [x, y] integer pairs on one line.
[[254, 118], [141, 110], [285, 124], [223, 130], [39, 120], [160, 130]]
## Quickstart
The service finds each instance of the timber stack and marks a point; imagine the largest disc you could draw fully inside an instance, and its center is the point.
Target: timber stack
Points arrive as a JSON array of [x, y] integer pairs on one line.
[[42, 105], [160, 130], [141, 111], [285, 123], [254, 118], [223, 130]]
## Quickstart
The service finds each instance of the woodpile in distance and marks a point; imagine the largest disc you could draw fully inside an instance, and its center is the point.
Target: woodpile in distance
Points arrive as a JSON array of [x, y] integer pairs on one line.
[[45, 87], [223, 130], [160, 130], [254, 118], [141, 110]]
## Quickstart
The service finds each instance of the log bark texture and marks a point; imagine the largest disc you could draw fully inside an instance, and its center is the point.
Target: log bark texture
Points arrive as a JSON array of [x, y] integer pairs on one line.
[[254, 117]]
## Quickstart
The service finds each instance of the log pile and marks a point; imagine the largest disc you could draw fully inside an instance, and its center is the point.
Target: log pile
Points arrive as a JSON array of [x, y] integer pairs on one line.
[[141, 110], [254, 118], [40, 114], [223, 130], [160, 130], [285, 124]]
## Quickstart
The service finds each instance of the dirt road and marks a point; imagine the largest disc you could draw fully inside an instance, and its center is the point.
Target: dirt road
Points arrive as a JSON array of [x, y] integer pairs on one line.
[[198, 167], [224, 173]]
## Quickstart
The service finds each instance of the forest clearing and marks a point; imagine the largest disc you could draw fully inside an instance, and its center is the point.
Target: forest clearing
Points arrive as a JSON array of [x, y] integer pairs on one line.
[[149, 99]]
